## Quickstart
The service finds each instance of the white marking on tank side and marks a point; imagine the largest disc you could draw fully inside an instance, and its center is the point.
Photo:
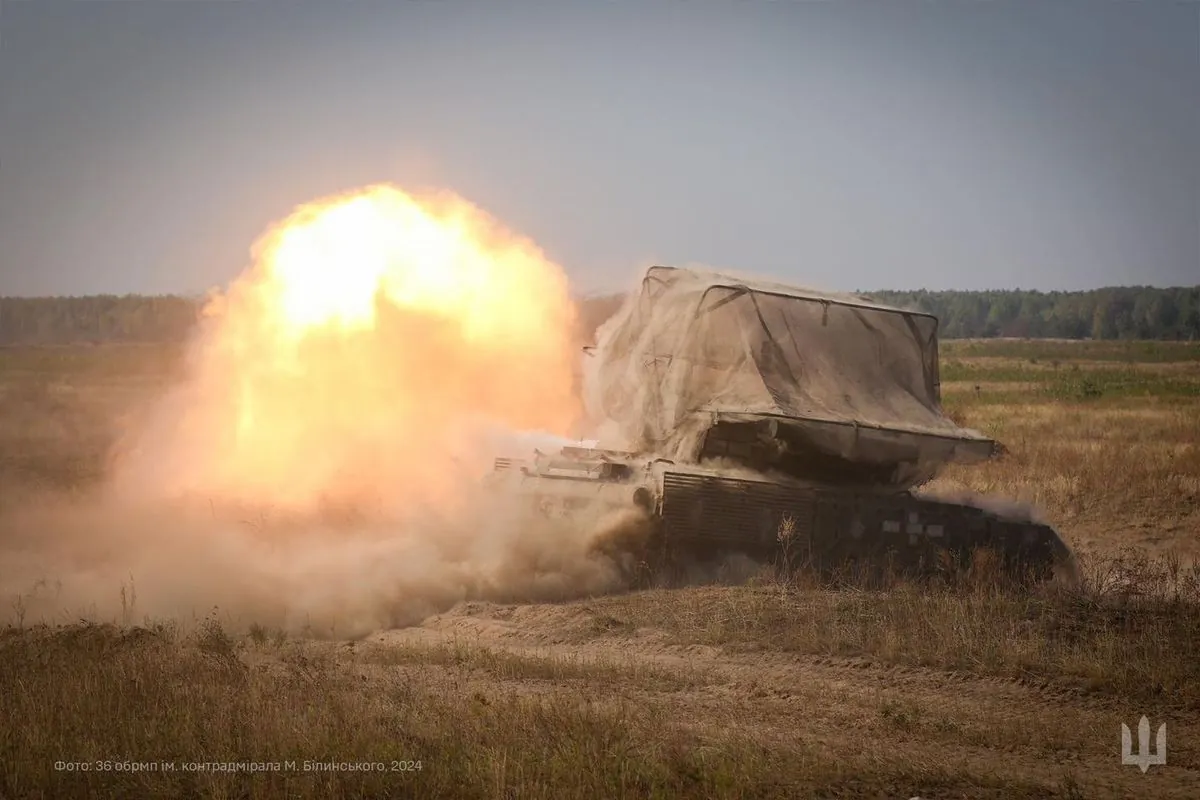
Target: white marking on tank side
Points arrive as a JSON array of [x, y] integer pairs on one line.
[[890, 526], [933, 531]]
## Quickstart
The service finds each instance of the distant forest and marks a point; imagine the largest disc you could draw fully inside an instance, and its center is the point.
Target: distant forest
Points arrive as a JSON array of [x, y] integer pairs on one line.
[[101, 318], [1118, 313], [1137, 312]]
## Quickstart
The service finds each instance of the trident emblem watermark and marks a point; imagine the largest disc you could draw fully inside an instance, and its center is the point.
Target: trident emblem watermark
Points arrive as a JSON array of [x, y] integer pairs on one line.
[[1144, 758]]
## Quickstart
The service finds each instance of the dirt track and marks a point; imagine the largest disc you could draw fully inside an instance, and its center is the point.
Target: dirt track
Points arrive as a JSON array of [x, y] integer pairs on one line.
[[996, 730]]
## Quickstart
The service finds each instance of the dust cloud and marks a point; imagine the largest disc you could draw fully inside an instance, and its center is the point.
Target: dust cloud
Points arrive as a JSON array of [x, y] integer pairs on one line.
[[1004, 507], [112, 562], [320, 466]]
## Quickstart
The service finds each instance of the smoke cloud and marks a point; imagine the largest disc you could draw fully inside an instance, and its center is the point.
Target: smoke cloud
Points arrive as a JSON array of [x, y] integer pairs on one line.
[[320, 465]]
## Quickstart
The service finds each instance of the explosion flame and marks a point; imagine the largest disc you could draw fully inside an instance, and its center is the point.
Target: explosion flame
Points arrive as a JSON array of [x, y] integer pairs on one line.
[[362, 356]]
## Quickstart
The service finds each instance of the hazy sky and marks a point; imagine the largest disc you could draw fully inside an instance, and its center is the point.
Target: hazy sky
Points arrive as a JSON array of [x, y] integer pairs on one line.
[[144, 144]]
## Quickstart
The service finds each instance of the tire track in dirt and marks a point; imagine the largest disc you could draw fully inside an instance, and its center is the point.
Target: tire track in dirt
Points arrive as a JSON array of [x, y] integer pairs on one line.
[[1023, 728], [571, 630]]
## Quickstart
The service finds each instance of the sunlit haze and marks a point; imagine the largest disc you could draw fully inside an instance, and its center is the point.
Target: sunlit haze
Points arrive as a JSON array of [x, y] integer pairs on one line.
[[144, 146]]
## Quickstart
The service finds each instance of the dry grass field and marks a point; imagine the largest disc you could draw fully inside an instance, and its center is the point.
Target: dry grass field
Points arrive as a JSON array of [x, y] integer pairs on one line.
[[774, 688]]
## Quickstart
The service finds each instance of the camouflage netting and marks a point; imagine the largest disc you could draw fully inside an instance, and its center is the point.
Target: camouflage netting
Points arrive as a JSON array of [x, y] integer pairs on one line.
[[834, 376]]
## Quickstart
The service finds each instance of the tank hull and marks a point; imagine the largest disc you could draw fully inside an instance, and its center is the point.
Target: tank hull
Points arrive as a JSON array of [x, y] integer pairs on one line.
[[701, 516]]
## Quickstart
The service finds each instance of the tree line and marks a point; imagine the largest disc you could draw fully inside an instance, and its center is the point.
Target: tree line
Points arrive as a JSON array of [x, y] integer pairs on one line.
[[1139, 312], [99, 319], [1134, 312]]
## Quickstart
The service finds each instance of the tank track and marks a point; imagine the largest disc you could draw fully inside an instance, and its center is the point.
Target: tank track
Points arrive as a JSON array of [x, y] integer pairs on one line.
[[705, 517]]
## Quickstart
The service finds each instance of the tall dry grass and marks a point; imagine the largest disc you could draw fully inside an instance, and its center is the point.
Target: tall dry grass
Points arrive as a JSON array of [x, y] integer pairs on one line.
[[1114, 462], [100, 711], [1128, 626]]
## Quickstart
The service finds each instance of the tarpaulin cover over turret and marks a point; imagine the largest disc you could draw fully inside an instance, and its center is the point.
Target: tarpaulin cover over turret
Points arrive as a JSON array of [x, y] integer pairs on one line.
[[840, 376]]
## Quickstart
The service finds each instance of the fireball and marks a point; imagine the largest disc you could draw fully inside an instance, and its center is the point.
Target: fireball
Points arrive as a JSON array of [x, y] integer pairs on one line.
[[360, 357]]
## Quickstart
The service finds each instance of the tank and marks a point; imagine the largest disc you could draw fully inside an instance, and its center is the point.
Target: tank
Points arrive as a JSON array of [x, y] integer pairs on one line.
[[789, 425]]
